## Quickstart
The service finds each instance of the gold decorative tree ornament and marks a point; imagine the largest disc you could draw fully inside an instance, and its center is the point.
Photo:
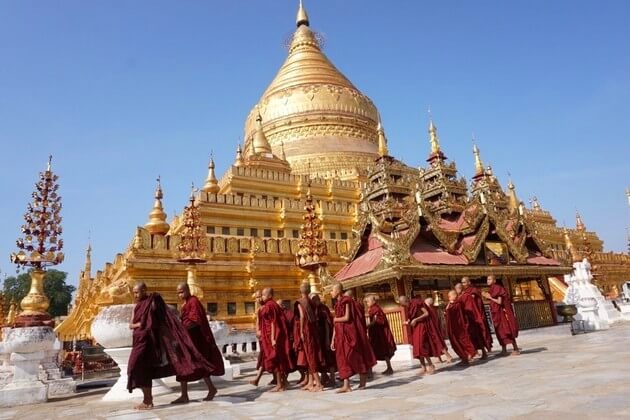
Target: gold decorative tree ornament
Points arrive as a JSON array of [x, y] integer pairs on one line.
[[40, 246], [312, 251], [193, 245]]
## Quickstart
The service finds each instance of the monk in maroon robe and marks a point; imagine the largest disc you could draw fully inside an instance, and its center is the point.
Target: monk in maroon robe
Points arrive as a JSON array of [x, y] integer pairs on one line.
[[424, 345], [194, 319], [478, 328], [306, 339], [457, 329], [381, 337], [161, 346], [325, 330], [351, 345], [274, 340], [503, 318], [259, 370], [436, 329]]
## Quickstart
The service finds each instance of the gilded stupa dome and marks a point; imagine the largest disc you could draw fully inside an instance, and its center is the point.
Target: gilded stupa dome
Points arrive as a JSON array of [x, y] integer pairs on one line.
[[319, 116]]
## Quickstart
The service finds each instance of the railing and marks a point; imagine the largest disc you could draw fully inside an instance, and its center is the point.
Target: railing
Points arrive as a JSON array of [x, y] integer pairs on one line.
[[533, 314]]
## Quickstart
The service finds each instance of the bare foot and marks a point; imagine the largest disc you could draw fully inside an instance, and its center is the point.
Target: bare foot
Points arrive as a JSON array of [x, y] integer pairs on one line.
[[388, 372], [515, 353], [276, 389], [344, 390], [307, 387], [211, 395], [361, 387], [253, 382], [503, 353], [143, 406], [181, 400], [316, 388], [422, 372], [430, 370]]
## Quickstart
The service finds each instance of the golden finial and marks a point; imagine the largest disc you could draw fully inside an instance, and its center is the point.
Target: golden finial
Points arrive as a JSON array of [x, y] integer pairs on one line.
[[157, 218], [535, 204], [575, 256], [513, 203], [479, 169], [579, 225], [239, 155], [49, 166], [302, 17], [211, 185], [88, 259], [382, 140], [628, 195], [260, 144], [433, 136]]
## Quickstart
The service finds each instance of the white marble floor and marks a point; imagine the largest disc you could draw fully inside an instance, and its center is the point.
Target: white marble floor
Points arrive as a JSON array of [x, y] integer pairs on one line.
[[585, 376]]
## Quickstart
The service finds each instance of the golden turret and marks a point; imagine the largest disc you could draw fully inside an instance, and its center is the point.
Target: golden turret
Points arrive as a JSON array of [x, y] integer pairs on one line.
[[382, 141], [259, 141], [513, 203], [211, 185], [575, 256], [157, 218], [239, 156], [302, 17], [579, 225], [435, 140], [87, 270], [479, 169]]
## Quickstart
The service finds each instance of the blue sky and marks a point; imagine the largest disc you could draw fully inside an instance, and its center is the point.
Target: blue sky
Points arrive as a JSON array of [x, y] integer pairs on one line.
[[121, 91]]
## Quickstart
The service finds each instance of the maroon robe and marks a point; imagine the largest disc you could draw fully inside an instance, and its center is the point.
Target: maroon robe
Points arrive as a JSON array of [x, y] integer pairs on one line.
[[161, 346], [275, 358], [478, 328], [194, 319], [434, 330], [457, 328], [505, 325], [381, 337], [352, 347], [419, 337], [261, 355], [289, 318], [306, 342], [325, 329]]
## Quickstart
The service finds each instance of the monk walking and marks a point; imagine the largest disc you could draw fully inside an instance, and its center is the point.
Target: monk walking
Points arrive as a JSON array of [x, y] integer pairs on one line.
[[351, 345], [478, 328], [436, 330], [381, 337], [274, 340], [194, 319], [161, 346], [325, 330], [457, 329], [505, 325], [306, 340], [417, 314]]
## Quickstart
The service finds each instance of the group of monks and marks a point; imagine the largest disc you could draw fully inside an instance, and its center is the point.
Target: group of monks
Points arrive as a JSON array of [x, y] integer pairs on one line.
[[322, 345]]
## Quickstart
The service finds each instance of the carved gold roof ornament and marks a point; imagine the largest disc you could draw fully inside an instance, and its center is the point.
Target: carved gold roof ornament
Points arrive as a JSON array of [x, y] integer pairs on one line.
[[571, 250], [212, 184], [579, 224], [157, 224], [239, 156], [312, 250], [382, 141], [193, 246]]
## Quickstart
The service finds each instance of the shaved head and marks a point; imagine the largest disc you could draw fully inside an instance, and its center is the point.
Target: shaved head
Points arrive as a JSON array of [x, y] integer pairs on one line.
[[452, 295], [403, 300], [337, 289], [458, 288], [183, 291], [349, 293], [371, 300], [267, 294], [139, 291], [491, 280], [466, 282]]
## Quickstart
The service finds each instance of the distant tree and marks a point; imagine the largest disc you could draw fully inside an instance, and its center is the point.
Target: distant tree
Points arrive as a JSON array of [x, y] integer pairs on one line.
[[59, 293]]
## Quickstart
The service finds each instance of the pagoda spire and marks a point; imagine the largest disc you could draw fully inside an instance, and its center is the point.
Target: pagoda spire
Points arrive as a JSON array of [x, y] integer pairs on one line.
[[382, 140], [536, 204], [157, 217], [312, 250], [513, 203], [302, 16], [239, 156], [575, 256], [579, 224], [211, 185], [433, 137], [88, 261], [260, 144], [479, 168]]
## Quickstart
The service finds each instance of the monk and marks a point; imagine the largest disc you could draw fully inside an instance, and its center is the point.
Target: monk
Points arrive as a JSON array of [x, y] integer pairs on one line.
[[478, 328], [306, 339], [259, 370], [194, 319], [351, 345], [503, 318], [325, 329], [457, 329], [381, 337], [436, 329], [274, 340], [458, 288], [424, 347], [161, 346]]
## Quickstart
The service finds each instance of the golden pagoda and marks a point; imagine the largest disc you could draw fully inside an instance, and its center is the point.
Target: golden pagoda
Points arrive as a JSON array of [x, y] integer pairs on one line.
[[313, 141]]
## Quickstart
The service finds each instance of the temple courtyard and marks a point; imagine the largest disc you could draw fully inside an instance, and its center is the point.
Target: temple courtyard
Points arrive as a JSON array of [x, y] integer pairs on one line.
[[558, 376]]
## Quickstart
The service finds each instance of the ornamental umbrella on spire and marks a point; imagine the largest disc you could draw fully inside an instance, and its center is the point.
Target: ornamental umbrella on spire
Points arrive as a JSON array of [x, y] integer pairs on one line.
[[193, 246], [40, 245]]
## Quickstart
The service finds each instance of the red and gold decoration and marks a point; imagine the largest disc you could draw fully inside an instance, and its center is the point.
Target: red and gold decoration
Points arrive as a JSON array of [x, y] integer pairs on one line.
[[40, 247], [193, 245], [312, 251]]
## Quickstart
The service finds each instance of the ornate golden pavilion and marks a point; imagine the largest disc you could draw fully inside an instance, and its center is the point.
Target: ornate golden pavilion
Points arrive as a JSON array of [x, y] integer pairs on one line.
[[311, 127]]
